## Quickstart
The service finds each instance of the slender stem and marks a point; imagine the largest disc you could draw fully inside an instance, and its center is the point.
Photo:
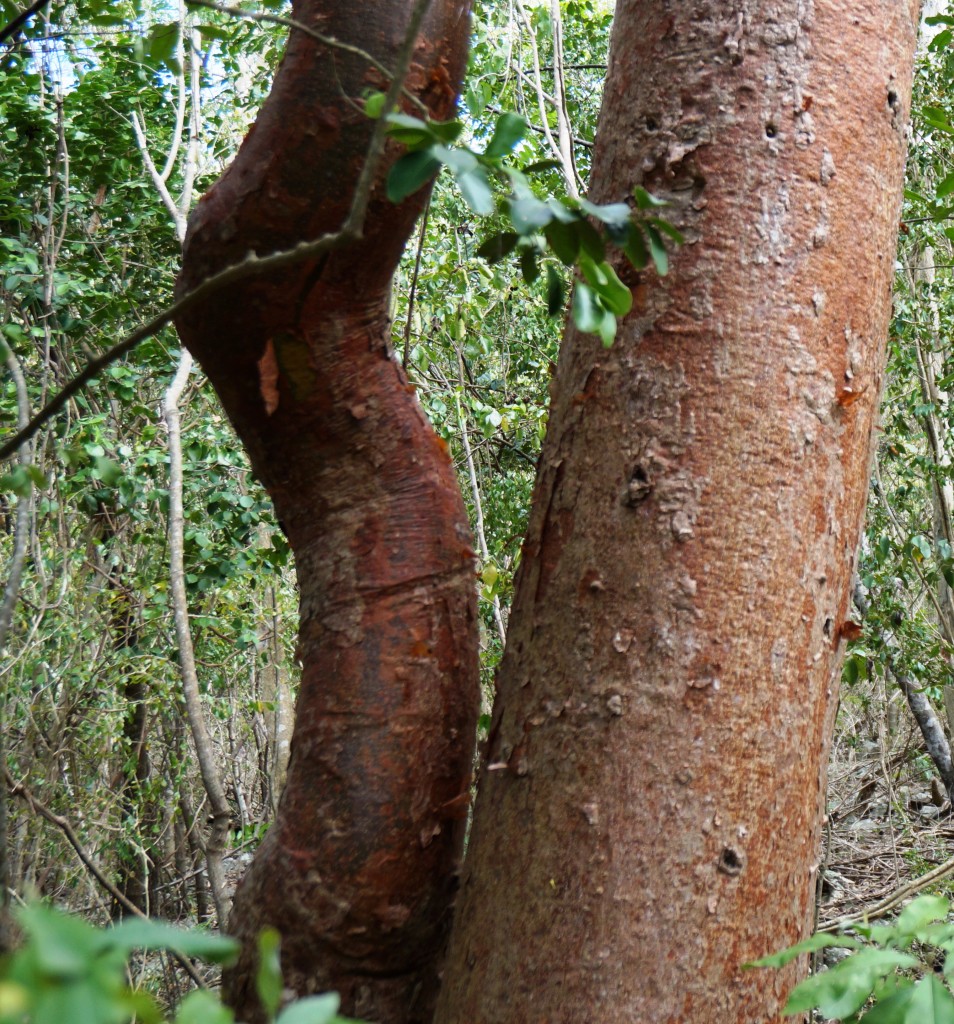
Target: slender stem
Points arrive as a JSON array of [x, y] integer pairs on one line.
[[195, 713], [405, 360], [10, 594], [559, 89]]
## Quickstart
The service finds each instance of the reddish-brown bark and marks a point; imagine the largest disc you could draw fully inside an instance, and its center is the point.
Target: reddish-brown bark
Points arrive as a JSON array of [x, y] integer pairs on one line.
[[360, 867], [648, 819]]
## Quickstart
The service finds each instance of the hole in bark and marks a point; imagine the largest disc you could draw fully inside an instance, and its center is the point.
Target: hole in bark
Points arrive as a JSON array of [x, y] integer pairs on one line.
[[892, 99], [828, 625], [771, 130], [652, 125], [640, 485], [730, 863]]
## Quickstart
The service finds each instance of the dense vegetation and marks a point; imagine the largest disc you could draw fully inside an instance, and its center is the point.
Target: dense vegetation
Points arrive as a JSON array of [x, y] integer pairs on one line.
[[108, 112]]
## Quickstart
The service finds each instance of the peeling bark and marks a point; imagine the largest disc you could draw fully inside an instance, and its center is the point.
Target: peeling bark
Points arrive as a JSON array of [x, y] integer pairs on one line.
[[659, 741], [359, 869]]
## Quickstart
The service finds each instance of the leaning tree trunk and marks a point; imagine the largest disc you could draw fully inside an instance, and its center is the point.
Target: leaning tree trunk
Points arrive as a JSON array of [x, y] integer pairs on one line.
[[359, 869], [647, 820]]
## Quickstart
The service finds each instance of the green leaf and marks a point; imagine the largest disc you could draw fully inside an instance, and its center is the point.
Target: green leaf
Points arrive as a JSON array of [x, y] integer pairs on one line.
[[64, 946], [937, 118], [893, 1008], [941, 41], [413, 171], [614, 213], [268, 977], [458, 159], [214, 32], [538, 166], [921, 545], [528, 265], [529, 214], [411, 131], [18, 481], [931, 1003], [564, 240], [313, 1010], [667, 229], [657, 251], [106, 470], [607, 330], [374, 104], [946, 187], [820, 940], [587, 312], [159, 47], [922, 911], [446, 131], [475, 189], [843, 989], [591, 316], [146, 933], [554, 292], [645, 200], [635, 248], [202, 1007], [495, 248], [509, 131], [617, 298], [590, 241]]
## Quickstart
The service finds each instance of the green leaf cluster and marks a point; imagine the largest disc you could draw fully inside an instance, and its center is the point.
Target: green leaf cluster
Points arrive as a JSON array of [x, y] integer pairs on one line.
[[575, 231], [890, 975], [69, 971]]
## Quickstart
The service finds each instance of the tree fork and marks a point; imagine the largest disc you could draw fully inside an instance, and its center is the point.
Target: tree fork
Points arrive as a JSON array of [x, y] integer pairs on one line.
[[359, 869]]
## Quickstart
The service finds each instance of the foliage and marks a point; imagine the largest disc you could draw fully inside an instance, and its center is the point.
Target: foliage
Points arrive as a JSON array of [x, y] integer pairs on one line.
[[67, 970], [563, 227], [893, 974], [90, 684]]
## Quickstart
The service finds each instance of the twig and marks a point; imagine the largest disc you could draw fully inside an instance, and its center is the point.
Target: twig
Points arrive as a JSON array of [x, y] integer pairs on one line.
[[204, 750], [405, 360], [21, 19], [893, 900]]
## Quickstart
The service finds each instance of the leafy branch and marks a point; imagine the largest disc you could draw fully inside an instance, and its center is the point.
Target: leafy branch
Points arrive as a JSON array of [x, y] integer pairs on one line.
[[574, 230], [894, 974]]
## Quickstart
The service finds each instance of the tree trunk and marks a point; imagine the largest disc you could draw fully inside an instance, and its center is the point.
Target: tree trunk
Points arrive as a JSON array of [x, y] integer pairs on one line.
[[648, 816], [360, 867]]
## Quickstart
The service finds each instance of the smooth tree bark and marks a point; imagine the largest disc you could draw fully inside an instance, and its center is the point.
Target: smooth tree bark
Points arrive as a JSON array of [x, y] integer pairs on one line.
[[359, 869], [647, 819]]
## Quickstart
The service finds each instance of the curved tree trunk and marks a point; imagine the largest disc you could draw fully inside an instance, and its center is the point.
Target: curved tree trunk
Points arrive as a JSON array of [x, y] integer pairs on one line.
[[648, 819], [359, 869]]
